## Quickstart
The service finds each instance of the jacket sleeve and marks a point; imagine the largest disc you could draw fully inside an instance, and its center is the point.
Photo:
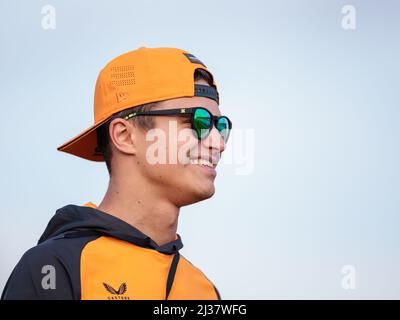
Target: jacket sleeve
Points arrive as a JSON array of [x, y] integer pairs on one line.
[[40, 274]]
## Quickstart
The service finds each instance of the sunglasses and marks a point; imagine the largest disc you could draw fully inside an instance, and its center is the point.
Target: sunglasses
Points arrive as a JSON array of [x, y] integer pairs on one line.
[[201, 119]]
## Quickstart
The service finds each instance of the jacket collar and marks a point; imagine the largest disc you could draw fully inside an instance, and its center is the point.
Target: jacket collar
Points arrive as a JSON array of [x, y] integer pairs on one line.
[[75, 221]]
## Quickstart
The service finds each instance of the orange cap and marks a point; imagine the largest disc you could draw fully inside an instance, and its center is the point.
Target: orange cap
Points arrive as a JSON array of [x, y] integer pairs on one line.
[[138, 77]]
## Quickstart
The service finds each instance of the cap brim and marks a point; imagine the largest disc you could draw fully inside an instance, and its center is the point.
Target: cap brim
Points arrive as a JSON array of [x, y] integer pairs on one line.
[[84, 145]]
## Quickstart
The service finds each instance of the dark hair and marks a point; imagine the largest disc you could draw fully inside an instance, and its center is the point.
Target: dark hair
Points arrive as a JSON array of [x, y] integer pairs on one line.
[[143, 122]]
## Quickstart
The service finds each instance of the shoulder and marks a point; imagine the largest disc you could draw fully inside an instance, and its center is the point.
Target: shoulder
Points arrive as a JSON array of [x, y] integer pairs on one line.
[[59, 250], [201, 274], [49, 270]]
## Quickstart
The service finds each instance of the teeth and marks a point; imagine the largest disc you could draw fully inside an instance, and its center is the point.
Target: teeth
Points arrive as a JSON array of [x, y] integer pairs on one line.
[[202, 162]]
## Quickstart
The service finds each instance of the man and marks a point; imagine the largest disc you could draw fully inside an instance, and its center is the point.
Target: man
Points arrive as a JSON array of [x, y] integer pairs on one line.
[[159, 129]]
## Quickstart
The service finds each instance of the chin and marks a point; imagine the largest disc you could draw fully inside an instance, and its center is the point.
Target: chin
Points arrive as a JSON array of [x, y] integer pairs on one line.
[[205, 192], [198, 195]]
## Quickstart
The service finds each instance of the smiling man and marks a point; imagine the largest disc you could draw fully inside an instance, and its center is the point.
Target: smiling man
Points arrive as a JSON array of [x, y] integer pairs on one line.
[[150, 104]]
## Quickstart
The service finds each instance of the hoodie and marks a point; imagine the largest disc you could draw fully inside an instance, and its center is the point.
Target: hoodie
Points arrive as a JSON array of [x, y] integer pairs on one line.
[[86, 254]]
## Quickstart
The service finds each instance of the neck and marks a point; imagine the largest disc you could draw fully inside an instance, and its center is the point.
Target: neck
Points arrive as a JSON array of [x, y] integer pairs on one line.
[[140, 207]]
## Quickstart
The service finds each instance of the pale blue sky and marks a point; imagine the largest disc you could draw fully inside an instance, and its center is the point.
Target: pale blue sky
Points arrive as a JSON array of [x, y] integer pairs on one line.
[[323, 103]]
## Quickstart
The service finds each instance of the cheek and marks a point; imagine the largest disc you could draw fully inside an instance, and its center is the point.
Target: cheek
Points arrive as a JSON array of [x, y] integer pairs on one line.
[[187, 146], [169, 151]]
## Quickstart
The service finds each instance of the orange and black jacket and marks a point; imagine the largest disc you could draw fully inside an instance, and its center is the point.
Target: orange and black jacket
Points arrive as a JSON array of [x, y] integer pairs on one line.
[[92, 255]]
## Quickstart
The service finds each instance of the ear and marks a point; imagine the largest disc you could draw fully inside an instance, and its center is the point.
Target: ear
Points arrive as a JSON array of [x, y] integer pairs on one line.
[[123, 136]]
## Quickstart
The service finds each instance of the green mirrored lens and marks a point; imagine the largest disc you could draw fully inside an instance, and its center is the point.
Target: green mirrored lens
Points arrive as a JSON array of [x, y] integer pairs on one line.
[[223, 128], [202, 122]]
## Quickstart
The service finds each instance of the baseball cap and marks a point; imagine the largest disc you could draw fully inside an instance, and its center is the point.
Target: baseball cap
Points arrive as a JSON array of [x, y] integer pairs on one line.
[[138, 77]]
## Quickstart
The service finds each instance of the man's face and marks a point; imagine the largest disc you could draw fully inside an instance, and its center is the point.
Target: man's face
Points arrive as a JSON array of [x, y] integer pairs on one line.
[[182, 179]]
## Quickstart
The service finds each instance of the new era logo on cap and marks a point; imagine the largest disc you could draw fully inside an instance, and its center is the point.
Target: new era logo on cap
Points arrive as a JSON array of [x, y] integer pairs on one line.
[[122, 95]]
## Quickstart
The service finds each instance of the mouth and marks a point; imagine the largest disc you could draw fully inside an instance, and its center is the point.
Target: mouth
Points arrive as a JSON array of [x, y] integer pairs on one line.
[[202, 162], [205, 165]]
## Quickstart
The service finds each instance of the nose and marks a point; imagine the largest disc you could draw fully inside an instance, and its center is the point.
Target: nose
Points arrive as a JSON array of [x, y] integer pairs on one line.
[[214, 141]]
